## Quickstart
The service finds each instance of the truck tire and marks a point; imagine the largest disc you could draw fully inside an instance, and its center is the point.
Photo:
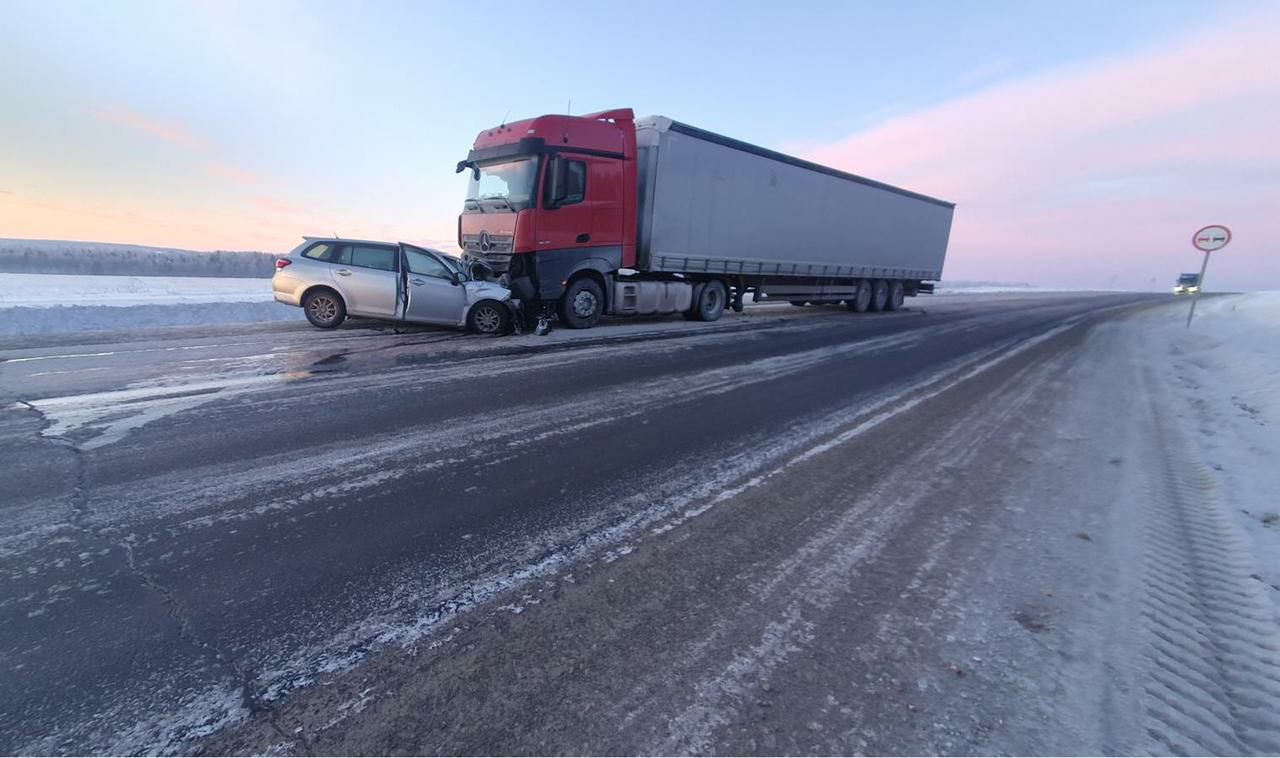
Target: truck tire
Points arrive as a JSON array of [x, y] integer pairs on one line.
[[709, 305], [896, 295], [582, 304], [879, 294], [692, 313], [861, 299], [324, 308]]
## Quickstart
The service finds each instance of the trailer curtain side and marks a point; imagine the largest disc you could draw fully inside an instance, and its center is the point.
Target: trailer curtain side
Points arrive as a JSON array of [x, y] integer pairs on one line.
[[716, 205]]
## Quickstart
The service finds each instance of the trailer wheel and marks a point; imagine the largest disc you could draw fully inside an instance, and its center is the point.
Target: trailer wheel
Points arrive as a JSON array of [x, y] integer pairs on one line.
[[582, 304], [879, 294], [861, 299], [692, 313], [710, 303], [896, 295]]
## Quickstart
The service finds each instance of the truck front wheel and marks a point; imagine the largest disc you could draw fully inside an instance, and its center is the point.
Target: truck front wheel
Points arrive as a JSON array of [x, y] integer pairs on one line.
[[879, 294], [582, 304], [710, 301]]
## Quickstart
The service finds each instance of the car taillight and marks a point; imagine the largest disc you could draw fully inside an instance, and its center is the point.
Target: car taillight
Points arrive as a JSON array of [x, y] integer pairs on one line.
[[282, 262]]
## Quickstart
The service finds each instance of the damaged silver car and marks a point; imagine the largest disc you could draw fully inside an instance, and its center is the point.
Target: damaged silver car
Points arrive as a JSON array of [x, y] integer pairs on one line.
[[332, 278]]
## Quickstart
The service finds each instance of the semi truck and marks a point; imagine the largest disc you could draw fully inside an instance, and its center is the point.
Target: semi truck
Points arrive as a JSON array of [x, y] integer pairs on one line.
[[1188, 284], [602, 213]]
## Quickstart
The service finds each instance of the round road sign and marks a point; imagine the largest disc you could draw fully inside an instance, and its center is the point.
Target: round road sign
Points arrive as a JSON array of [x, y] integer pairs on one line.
[[1210, 238]]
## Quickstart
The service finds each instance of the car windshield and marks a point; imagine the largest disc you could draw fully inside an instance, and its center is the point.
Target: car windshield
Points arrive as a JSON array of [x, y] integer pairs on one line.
[[509, 183], [452, 263]]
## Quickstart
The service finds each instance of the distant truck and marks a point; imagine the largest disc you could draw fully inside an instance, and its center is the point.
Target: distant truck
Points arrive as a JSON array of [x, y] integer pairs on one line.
[[1188, 284], [587, 215]]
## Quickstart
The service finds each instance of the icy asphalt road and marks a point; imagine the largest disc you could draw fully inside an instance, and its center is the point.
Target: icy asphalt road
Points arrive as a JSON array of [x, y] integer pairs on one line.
[[963, 530]]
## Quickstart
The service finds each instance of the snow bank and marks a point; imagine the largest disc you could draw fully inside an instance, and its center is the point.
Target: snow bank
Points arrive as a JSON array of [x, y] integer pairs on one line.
[[59, 303], [1226, 369]]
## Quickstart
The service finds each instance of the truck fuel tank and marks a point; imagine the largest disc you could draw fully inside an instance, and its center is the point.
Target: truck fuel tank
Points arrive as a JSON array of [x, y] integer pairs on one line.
[[644, 298]]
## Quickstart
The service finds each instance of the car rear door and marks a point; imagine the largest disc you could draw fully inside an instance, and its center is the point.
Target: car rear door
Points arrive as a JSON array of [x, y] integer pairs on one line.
[[366, 275], [434, 295]]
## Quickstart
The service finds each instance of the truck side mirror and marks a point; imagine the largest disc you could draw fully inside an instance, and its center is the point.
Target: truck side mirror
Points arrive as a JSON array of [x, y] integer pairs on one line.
[[464, 165], [557, 183]]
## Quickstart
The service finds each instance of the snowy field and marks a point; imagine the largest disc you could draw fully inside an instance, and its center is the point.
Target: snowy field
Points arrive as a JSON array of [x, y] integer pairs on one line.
[[60, 303], [53, 290]]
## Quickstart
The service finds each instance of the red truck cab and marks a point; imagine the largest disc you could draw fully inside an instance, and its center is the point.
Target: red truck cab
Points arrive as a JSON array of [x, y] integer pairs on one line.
[[552, 200]]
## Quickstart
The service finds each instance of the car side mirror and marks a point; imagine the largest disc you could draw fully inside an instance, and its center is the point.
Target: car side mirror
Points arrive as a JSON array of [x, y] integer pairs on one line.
[[453, 277], [557, 182]]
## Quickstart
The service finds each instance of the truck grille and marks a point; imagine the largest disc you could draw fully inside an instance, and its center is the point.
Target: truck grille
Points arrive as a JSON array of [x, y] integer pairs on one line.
[[497, 256]]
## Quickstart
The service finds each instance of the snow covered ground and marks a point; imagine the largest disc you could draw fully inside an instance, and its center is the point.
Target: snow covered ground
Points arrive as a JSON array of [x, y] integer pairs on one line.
[[963, 288], [52, 290], [52, 303], [61, 303], [1225, 371]]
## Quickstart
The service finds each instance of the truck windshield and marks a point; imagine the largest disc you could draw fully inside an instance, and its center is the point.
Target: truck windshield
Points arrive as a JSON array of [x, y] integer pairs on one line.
[[508, 183]]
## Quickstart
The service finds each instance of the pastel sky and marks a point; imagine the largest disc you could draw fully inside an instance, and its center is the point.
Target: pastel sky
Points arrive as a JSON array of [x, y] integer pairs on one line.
[[1083, 142]]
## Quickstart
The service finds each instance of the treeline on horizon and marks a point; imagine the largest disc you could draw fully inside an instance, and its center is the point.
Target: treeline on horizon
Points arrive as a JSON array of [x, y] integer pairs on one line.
[[51, 257]]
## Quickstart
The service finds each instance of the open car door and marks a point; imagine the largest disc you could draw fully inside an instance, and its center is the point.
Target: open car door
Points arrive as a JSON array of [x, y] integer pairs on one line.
[[433, 293]]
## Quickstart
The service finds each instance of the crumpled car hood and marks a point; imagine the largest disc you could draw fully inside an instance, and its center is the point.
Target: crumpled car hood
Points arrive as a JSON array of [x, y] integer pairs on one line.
[[477, 291]]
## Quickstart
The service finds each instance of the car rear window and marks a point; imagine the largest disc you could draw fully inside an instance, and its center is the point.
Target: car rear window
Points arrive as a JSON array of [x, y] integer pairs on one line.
[[321, 252], [373, 257]]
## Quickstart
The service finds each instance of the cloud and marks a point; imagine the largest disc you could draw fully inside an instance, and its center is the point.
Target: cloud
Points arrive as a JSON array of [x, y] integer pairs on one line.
[[225, 171], [277, 206], [172, 132], [175, 133], [984, 72], [1101, 168]]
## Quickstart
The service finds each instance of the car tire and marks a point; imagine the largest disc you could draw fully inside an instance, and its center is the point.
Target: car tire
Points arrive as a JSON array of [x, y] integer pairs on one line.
[[710, 303], [489, 317], [324, 308], [582, 304], [861, 299], [879, 294], [896, 296]]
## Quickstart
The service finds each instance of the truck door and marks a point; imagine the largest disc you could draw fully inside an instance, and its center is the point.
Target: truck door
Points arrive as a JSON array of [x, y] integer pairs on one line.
[[588, 211]]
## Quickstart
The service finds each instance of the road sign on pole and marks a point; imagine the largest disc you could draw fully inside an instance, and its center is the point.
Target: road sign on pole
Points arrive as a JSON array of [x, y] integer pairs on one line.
[[1207, 240]]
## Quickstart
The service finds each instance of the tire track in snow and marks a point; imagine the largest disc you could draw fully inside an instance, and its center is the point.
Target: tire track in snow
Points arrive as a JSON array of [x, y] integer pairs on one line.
[[694, 492], [820, 572], [1213, 651], [288, 480]]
